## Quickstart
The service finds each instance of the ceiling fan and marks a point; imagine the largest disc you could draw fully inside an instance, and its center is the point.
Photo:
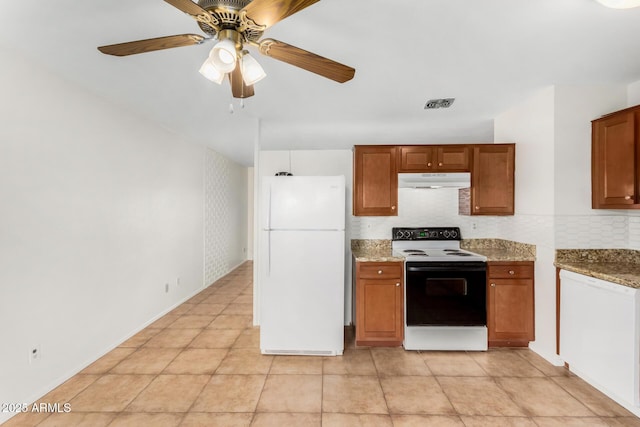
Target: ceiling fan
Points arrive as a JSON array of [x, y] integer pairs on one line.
[[236, 23]]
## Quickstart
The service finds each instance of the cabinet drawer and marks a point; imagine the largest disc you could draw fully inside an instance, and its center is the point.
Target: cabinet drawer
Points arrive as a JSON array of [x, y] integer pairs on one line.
[[510, 271], [369, 270]]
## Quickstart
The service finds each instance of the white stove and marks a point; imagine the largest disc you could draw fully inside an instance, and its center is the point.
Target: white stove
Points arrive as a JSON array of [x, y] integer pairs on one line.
[[419, 251], [445, 290], [440, 244]]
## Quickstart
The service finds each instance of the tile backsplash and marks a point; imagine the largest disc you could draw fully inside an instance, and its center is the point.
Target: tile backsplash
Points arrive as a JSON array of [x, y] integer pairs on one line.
[[439, 208]]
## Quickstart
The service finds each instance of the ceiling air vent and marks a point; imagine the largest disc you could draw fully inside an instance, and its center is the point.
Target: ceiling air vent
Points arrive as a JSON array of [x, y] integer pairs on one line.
[[438, 103]]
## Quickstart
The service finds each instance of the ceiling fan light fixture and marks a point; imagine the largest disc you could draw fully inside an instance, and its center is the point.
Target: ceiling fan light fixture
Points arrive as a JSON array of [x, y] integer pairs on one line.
[[252, 72], [209, 71], [620, 4], [225, 53], [224, 56]]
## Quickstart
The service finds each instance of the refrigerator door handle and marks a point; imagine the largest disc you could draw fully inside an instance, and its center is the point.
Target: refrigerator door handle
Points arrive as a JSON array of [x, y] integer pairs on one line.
[[268, 253], [269, 212], [269, 235]]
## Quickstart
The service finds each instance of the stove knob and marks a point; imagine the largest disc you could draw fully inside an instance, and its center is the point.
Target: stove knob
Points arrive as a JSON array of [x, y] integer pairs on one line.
[[445, 233], [454, 234]]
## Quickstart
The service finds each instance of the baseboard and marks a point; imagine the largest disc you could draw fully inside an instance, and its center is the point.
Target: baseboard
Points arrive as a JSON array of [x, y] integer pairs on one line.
[[4, 416], [552, 358]]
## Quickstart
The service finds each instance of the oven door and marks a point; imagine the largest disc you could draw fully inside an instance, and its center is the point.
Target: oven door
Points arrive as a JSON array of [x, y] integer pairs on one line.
[[446, 293]]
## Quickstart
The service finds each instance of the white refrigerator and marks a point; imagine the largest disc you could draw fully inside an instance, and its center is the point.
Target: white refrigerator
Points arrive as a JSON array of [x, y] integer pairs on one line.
[[301, 265]]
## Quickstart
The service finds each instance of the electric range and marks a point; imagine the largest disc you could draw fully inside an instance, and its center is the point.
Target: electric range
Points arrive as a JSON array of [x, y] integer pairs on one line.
[[445, 290]]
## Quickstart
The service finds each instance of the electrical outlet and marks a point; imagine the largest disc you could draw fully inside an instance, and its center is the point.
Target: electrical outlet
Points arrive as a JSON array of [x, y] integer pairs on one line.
[[166, 288], [35, 354]]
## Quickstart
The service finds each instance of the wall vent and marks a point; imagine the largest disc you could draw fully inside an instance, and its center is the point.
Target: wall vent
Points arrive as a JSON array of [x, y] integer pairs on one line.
[[438, 103]]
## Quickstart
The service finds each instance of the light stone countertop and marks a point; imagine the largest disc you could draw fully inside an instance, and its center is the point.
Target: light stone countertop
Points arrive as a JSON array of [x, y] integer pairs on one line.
[[621, 266], [373, 251], [494, 249]]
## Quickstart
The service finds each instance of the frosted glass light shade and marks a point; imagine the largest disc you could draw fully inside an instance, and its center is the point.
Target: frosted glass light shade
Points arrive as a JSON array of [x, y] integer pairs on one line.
[[252, 72], [224, 56], [620, 4], [209, 70]]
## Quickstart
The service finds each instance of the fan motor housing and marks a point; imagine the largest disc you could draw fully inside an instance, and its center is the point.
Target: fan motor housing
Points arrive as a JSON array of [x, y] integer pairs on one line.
[[227, 15], [230, 4]]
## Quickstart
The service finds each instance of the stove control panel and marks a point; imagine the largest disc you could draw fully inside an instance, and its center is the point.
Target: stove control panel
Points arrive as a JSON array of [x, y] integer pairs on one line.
[[424, 233]]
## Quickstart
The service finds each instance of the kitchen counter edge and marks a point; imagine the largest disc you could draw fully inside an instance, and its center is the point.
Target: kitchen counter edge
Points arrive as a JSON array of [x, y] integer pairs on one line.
[[495, 250], [615, 272]]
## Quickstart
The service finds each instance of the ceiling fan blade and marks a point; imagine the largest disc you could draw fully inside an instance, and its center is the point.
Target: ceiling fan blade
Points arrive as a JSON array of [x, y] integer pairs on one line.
[[270, 12], [196, 12], [309, 61], [149, 45], [238, 88]]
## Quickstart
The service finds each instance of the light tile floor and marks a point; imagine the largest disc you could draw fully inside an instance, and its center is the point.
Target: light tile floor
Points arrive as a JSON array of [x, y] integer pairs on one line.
[[200, 365]]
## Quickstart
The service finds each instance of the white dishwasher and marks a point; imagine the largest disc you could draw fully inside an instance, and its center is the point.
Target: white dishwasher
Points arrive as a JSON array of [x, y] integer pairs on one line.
[[600, 335]]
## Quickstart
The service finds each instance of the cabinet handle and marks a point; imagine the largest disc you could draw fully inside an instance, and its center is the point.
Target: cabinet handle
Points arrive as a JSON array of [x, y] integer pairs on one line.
[[477, 208], [512, 272], [440, 164], [379, 271], [493, 285], [397, 284], [628, 197], [429, 164], [393, 208]]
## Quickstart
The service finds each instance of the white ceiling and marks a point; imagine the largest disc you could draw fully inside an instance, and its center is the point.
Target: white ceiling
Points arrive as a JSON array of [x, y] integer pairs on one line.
[[488, 54]]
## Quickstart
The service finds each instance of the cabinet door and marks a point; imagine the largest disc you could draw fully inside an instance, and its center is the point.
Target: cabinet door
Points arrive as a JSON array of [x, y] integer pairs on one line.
[[418, 158], [510, 312], [379, 305], [614, 161], [452, 158], [375, 188], [492, 179], [434, 158]]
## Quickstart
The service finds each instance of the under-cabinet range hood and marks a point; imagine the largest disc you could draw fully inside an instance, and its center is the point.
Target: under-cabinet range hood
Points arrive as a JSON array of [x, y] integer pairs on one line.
[[434, 180]]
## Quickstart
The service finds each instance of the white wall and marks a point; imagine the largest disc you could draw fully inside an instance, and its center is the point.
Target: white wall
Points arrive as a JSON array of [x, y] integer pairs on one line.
[[633, 94], [574, 109], [226, 212], [552, 130], [100, 210], [531, 126], [250, 212]]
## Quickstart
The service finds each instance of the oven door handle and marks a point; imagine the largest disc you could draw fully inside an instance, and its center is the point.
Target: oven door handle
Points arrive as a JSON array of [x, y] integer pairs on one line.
[[448, 268]]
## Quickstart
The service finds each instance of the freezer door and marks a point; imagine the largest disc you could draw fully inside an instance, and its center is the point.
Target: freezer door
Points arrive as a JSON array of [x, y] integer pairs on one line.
[[302, 293], [303, 203]]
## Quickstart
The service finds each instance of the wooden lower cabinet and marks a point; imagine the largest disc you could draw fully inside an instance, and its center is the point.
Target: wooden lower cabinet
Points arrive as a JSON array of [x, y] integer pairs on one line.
[[379, 303], [510, 303]]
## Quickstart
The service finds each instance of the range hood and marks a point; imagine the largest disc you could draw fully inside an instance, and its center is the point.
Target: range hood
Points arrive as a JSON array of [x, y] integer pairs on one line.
[[434, 180]]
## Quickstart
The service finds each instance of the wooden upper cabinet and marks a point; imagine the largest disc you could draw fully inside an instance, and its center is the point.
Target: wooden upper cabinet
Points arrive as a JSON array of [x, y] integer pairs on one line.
[[492, 180], [375, 176], [434, 158], [615, 160], [492, 167]]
